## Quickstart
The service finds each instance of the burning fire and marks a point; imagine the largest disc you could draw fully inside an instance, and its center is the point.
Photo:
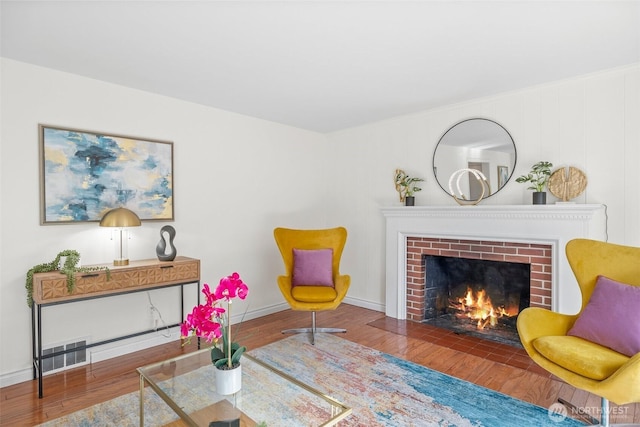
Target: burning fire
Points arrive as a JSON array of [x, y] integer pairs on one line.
[[479, 308]]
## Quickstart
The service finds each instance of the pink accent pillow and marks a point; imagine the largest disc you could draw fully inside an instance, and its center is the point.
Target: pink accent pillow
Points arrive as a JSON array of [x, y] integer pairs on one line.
[[312, 267], [611, 317]]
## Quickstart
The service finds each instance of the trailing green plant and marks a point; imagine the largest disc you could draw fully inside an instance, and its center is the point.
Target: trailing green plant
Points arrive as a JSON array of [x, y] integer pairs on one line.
[[538, 177], [68, 268], [406, 185]]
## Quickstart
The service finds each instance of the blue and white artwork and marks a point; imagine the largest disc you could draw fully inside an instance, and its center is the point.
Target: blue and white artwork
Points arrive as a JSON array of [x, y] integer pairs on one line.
[[85, 174]]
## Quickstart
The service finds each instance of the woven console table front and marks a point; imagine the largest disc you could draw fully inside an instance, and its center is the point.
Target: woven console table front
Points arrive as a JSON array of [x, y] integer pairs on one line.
[[52, 287]]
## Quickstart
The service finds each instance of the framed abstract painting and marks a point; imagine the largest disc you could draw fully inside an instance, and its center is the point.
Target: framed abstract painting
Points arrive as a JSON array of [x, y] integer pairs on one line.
[[84, 174]]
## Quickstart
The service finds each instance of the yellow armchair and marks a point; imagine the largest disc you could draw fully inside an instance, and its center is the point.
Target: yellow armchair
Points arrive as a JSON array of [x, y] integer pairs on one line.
[[584, 364], [309, 296]]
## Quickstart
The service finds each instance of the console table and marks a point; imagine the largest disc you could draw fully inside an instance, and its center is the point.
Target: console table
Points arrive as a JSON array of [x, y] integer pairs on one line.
[[51, 289]]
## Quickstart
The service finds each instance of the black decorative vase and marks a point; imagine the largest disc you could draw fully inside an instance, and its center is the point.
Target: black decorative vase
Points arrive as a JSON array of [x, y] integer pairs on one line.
[[409, 201], [161, 247], [540, 198]]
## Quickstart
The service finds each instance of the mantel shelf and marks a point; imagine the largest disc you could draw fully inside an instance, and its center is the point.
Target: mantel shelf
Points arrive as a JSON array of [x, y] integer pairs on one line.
[[496, 211]]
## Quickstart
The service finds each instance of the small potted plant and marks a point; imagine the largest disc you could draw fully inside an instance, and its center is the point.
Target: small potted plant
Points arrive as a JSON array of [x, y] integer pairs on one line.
[[213, 322], [538, 177], [406, 187]]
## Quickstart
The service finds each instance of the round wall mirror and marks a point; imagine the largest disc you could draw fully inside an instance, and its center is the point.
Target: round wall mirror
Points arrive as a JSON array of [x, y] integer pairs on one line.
[[479, 144]]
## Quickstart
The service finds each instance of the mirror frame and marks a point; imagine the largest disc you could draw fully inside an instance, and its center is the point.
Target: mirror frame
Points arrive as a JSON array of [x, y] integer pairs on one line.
[[513, 166]]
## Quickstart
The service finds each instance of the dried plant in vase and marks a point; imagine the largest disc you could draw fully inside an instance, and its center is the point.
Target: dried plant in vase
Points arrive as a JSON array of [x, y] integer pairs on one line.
[[406, 185]]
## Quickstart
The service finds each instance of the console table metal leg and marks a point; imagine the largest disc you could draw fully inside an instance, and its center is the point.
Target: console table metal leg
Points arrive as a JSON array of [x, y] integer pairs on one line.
[[33, 340], [39, 328]]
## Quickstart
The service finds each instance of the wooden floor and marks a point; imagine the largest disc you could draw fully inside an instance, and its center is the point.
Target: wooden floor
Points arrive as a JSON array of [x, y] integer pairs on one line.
[[510, 374]]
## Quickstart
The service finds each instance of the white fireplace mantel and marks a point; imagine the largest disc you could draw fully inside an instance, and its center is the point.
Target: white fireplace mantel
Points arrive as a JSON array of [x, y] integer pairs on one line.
[[552, 225]]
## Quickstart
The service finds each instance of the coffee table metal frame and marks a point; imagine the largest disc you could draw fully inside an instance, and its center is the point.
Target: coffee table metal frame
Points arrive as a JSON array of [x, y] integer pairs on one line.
[[338, 410]]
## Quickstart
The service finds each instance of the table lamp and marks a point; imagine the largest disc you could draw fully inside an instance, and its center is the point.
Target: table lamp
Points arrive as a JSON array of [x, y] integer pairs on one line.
[[120, 218]]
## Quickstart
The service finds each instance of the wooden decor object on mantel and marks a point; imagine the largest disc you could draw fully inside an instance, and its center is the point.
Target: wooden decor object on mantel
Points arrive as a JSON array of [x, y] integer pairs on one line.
[[567, 184], [52, 286]]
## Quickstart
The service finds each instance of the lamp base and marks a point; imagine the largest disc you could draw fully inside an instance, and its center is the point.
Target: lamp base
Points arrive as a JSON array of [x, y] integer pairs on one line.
[[119, 262]]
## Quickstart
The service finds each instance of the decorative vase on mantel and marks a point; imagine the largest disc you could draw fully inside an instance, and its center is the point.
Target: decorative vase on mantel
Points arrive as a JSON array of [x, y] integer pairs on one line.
[[409, 201], [539, 197], [228, 381]]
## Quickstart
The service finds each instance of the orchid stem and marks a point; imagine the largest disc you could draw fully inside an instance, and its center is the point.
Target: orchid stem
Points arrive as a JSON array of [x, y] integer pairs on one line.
[[229, 335]]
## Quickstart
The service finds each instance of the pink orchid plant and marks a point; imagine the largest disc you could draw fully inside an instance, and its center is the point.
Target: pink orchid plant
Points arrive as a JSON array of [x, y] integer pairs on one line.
[[211, 321]]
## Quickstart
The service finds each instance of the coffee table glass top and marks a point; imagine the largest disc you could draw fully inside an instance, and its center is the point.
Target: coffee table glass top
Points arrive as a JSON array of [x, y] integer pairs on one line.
[[187, 385]]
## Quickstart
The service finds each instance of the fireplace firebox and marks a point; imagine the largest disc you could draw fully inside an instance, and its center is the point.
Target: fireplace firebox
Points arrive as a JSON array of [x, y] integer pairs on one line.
[[475, 296]]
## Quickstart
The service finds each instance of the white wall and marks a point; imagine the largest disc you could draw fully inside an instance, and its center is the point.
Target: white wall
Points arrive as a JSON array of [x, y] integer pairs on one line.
[[590, 122], [236, 178]]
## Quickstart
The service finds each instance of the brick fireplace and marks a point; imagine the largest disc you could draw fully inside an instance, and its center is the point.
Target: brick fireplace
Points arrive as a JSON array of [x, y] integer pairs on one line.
[[522, 233], [538, 256]]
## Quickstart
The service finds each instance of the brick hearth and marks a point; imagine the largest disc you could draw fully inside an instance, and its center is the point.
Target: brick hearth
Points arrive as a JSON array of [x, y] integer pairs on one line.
[[538, 255]]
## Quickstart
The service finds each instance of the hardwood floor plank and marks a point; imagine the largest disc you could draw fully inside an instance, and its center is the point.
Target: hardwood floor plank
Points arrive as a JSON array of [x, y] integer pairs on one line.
[[75, 389]]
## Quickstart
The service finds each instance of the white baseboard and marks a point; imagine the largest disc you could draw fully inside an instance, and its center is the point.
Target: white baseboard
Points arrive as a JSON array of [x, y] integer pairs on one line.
[[109, 351], [263, 311], [103, 352], [130, 345], [365, 304], [159, 338], [12, 378]]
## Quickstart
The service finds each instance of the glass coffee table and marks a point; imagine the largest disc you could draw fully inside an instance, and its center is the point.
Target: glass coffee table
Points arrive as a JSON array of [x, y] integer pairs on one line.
[[268, 396]]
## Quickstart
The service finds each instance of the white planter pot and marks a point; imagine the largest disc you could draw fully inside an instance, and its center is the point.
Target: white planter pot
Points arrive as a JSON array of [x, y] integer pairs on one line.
[[228, 381]]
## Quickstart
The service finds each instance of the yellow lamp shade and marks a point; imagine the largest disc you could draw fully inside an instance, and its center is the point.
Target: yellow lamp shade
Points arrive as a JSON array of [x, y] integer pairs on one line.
[[120, 217]]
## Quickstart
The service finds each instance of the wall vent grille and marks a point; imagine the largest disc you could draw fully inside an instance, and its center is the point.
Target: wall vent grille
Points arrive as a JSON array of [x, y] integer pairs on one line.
[[64, 361]]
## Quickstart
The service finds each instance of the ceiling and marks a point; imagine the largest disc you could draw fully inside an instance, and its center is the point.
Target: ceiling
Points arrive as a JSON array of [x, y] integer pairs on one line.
[[323, 65]]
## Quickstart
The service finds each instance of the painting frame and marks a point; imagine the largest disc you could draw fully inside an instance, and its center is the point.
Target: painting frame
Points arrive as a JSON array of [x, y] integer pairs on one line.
[[84, 174], [503, 176]]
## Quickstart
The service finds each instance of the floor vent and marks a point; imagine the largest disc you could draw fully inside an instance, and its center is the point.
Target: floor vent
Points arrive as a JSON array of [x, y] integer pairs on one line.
[[64, 361]]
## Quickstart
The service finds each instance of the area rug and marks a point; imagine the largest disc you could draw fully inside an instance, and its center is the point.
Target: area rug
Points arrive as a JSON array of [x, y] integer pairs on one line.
[[382, 390]]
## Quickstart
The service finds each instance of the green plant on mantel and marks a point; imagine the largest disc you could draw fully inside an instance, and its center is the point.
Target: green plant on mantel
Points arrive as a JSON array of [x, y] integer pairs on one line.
[[69, 269], [538, 177]]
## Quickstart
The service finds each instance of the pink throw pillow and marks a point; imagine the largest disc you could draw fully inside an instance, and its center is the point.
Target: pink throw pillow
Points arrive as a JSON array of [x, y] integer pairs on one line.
[[611, 317], [312, 267]]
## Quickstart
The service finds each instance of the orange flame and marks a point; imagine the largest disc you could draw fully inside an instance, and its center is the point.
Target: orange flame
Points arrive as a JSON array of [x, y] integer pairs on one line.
[[479, 308]]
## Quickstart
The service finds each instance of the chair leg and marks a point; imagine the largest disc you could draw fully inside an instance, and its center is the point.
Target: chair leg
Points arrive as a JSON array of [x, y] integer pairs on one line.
[[313, 330], [604, 416]]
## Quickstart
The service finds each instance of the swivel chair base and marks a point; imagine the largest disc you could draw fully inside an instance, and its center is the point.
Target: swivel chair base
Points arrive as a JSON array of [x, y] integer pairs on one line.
[[313, 330]]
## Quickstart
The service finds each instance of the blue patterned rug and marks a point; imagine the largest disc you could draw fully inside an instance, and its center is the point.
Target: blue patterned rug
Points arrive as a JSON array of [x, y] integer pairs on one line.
[[383, 390]]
